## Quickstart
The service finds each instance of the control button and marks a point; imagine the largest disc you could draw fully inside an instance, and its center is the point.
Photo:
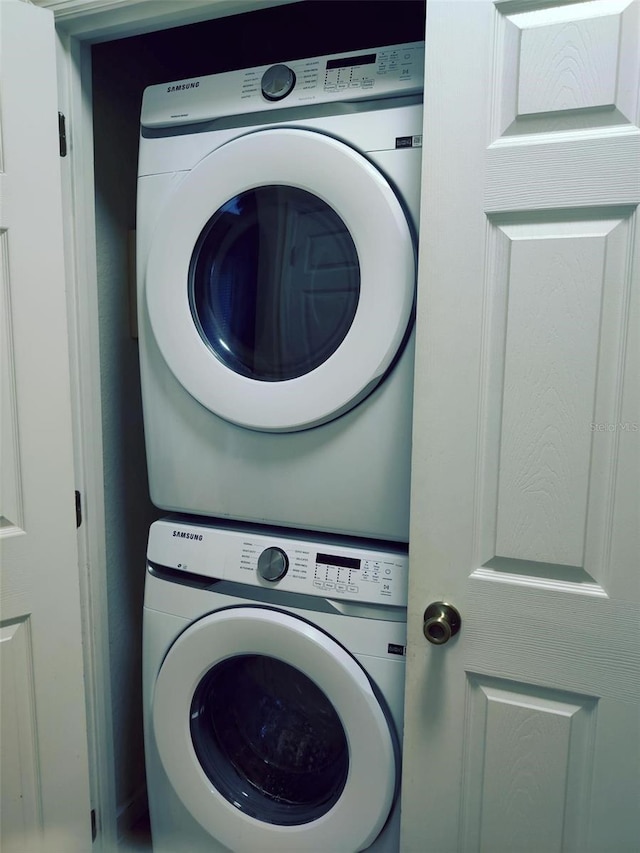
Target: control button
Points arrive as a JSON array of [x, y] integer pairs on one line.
[[277, 82], [329, 585], [273, 564], [319, 584], [341, 587], [352, 588]]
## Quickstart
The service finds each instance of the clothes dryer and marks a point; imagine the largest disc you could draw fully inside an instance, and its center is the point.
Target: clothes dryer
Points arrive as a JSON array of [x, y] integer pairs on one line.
[[277, 220], [273, 690]]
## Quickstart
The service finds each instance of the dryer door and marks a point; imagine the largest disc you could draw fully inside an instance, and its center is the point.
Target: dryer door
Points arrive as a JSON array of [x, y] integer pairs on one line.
[[280, 280], [272, 734]]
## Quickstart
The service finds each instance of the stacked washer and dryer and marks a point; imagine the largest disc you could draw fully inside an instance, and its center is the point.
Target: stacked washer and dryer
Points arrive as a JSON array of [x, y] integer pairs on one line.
[[277, 224]]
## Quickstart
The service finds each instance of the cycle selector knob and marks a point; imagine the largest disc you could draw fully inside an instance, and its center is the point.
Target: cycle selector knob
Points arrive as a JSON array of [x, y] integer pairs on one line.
[[277, 82], [273, 564]]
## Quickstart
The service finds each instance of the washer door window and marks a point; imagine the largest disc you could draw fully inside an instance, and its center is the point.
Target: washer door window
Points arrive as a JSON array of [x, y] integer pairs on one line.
[[280, 280], [265, 726], [269, 740], [274, 282]]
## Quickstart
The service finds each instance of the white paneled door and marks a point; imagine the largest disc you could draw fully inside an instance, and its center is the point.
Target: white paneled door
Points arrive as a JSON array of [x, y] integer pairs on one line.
[[44, 773], [523, 731]]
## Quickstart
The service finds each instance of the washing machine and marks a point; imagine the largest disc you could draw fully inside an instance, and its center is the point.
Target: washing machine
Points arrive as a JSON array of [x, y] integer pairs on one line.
[[276, 243], [273, 690]]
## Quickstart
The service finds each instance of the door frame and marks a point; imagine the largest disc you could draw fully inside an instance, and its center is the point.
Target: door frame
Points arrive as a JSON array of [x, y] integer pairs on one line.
[[79, 25]]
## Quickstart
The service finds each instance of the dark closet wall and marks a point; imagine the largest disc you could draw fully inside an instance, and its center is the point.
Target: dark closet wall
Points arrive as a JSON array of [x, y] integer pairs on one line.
[[265, 36]]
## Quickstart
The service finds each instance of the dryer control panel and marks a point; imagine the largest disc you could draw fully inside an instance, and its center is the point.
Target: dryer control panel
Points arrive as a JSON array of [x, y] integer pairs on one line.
[[360, 75], [329, 566]]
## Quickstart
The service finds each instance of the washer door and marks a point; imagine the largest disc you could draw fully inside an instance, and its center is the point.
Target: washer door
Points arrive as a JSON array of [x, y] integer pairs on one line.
[[272, 736], [280, 280]]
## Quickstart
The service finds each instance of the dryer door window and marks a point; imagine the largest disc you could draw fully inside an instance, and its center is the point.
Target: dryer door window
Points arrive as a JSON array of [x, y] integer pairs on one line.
[[274, 283], [269, 740], [280, 279], [270, 731]]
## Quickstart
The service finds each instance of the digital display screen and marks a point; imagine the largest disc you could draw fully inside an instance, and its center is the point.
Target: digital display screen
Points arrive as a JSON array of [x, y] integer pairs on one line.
[[340, 562], [369, 59]]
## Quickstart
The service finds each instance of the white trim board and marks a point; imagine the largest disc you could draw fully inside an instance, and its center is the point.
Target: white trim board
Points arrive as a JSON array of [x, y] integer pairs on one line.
[[103, 20]]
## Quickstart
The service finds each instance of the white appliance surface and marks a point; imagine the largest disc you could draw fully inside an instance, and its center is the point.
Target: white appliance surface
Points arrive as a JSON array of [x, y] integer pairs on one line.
[[213, 629], [315, 431]]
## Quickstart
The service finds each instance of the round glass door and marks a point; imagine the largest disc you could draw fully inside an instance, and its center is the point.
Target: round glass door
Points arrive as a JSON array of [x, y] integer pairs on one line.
[[264, 725], [269, 740], [274, 282], [280, 279]]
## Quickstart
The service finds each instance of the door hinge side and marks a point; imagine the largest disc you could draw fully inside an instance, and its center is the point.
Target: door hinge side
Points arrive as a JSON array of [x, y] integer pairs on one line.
[[62, 134], [94, 825], [78, 509]]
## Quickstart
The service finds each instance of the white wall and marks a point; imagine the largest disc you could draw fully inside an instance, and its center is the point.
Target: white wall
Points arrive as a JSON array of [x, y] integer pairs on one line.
[[127, 506]]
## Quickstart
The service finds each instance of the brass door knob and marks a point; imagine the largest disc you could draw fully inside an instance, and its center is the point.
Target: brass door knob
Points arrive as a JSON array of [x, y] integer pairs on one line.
[[441, 622]]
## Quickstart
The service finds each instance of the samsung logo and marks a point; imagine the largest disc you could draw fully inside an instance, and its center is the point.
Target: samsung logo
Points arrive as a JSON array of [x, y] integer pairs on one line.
[[179, 87], [183, 534]]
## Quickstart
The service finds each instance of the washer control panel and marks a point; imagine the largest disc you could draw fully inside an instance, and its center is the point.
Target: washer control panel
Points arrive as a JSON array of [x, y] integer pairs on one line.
[[360, 75], [329, 567]]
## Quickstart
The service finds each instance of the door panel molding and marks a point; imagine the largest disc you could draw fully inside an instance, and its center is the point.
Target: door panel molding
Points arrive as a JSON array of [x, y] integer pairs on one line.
[[532, 750]]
